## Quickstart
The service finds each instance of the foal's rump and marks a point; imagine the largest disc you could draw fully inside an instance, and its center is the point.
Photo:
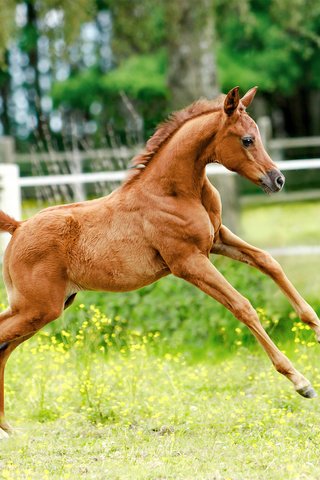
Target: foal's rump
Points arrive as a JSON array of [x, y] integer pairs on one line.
[[35, 261]]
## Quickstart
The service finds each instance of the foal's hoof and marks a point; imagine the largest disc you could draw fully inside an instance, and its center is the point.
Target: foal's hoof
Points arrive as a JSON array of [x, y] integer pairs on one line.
[[307, 392], [3, 434]]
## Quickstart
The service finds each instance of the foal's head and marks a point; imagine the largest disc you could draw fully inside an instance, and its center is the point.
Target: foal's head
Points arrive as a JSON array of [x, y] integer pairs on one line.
[[239, 147]]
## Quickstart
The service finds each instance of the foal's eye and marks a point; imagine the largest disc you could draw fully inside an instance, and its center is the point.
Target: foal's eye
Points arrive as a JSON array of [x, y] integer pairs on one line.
[[247, 141]]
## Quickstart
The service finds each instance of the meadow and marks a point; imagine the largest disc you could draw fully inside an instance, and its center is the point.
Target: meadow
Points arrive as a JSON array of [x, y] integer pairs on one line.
[[164, 383]]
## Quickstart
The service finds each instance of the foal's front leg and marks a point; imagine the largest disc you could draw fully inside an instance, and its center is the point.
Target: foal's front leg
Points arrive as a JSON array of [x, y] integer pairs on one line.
[[234, 247], [197, 269]]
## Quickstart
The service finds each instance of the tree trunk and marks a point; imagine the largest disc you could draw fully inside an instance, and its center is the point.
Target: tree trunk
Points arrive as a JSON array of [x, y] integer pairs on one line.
[[31, 46], [192, 74], [192, 68], [5, 80]]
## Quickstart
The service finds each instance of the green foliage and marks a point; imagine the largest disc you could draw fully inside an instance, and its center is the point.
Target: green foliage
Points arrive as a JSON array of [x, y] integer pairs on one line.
[[7, 25], [74, 15], [139, 26], [78, 91], [141, 78], [272, 44]]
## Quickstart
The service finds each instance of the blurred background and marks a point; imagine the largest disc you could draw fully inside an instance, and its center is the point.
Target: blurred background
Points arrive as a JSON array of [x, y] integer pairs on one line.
[[84, 83], [99, 74]]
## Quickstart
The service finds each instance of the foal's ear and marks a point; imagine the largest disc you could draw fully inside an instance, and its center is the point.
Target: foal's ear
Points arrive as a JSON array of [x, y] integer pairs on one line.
[[231, 101], [249, 96]]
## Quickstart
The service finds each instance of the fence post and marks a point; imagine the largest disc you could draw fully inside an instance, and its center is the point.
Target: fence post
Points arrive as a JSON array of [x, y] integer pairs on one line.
[[10, 197], [6, 149], [79, 192], [265, 128], [228, 190]]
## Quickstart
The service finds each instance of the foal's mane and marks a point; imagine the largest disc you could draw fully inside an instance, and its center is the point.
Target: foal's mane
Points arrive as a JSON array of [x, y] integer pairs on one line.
[[168, 128]]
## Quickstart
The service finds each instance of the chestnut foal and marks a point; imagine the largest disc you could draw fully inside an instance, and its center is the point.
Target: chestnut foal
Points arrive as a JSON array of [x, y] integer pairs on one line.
[[166, 218]]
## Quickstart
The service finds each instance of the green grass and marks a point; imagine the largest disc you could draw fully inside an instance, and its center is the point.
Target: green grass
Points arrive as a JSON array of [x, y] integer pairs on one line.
[[136, 415], [279, 225]]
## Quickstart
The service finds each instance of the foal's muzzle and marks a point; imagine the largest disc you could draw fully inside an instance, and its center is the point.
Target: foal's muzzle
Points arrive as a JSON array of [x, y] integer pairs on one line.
[[273, 181]]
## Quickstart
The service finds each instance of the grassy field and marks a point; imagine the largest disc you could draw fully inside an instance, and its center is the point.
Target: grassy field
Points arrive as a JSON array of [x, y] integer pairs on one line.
[[164, 383], [278, 225], [281, 225], [136, 415]]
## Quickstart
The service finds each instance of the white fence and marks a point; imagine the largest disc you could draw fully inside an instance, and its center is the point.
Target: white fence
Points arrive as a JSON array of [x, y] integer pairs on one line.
[[10, 196], [11, 183], [277, 146], [119, 176]]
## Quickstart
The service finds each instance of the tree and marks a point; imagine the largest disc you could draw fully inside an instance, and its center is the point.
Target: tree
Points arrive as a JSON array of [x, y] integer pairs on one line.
[[274, 45], [191, 51], [52, 19]]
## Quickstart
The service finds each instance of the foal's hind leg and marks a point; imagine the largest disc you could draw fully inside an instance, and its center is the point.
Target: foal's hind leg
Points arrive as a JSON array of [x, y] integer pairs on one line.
[[198, 270], [5, 351], [14, 330], [37, 297], [234, 247], [36, 301]]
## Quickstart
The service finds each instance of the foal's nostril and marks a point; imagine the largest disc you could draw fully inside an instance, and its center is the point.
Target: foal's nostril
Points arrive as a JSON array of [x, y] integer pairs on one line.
[[273, 181], [279, 181]]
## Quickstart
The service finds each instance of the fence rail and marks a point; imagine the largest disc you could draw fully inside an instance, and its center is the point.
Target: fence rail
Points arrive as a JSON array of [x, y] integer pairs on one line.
[[277, 146], [120, 175], [299, 142], [54, 156]]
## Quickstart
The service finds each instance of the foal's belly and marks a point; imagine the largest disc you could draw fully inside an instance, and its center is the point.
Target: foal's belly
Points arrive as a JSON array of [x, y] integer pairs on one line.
[[117, 269]]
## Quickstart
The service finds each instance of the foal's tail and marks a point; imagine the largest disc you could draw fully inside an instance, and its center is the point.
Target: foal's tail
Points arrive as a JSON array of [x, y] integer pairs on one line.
[[7, 223]]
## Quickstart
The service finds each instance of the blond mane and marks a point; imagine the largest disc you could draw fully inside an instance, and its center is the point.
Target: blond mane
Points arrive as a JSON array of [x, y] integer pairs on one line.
[[168, 128]]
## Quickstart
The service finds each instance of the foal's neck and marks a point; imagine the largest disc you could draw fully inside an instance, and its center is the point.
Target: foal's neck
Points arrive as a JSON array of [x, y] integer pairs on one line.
[[179, 166]]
